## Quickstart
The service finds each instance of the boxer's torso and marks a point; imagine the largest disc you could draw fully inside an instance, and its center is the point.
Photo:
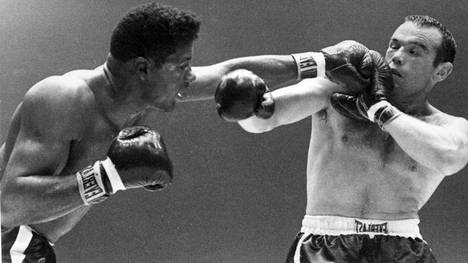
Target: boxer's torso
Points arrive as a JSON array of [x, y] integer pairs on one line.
[[357, 170], [91, 145], [90, 148]]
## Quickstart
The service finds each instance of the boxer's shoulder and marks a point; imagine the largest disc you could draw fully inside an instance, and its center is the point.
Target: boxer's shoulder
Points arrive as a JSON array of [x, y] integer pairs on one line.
[[59, 88], [439, 118], [58, 103]]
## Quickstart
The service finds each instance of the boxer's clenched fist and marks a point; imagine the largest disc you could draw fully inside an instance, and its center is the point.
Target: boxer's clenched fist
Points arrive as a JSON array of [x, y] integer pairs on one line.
[[137, 157], [371, 104], [347, 63], [242, 94]]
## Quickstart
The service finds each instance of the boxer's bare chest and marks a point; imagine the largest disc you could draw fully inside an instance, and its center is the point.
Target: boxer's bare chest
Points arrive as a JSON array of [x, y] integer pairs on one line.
[[365, 140], [95, 140], [92, 145], [346, 154], [365, 170]]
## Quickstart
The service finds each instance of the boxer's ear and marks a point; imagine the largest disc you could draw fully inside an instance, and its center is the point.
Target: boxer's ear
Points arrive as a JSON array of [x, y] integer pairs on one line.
[[442, 71], [141, 67]]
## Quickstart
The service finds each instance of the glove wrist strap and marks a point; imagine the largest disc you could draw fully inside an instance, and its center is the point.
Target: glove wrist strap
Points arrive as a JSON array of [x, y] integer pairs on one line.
[[91, 185], [386, 115], [309, 65], [382, 112], [267, 107], [114, 177], [376, 107]]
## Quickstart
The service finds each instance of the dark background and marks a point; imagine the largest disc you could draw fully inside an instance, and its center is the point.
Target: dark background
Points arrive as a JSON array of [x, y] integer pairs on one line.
[[237, 197]]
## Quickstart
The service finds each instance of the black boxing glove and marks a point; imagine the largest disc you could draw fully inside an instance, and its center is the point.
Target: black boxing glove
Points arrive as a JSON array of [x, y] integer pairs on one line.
[[372, 104], [242, 94], [346, 63], [137, 157]]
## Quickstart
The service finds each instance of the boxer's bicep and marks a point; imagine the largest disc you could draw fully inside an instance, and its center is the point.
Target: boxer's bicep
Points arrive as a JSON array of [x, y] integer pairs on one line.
[[30, 188], [31, 184], [35, 155], [47, 127]]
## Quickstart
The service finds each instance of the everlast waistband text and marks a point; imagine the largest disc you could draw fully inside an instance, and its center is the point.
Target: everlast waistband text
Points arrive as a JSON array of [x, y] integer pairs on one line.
[[362, 227]]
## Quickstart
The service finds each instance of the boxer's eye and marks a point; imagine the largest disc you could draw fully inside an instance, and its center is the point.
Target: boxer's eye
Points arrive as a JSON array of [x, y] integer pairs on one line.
[[393, 46], [414, 52], [184, 66]]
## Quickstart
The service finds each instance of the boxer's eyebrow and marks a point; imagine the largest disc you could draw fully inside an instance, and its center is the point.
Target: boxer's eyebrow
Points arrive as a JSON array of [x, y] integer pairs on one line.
[[185, 59], [394, 41], [410, 42], [419, 44]]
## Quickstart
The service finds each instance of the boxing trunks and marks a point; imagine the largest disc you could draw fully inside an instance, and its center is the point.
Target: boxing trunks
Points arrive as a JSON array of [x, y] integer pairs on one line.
[[344, 239], [22, 244]]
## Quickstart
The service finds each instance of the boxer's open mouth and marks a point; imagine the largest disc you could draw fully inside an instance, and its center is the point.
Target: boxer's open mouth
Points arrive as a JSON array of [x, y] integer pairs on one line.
[[182, 91]]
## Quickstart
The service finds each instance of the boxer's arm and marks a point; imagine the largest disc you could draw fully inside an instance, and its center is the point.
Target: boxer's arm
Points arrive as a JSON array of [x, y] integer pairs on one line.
[[34, 186], [341, 63], [13, 129], [294, 103], [440, 147], [275, 70]]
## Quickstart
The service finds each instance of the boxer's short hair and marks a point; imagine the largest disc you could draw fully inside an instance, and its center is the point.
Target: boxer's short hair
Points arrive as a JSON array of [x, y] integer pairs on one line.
[[447, 49], [153, 31]]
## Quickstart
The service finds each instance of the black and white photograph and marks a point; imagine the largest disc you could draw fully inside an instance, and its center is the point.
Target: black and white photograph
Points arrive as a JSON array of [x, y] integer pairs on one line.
[[233, 131]]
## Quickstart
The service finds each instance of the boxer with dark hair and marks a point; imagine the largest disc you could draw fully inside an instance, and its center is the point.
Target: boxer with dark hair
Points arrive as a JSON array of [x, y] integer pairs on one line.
[[60, 157], [72, 142], [376, 155], [75, 139]]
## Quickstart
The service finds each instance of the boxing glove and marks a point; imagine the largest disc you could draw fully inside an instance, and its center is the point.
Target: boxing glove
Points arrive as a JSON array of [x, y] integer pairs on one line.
[[346, 63], [137, 157], [242, 94], [371, 104]]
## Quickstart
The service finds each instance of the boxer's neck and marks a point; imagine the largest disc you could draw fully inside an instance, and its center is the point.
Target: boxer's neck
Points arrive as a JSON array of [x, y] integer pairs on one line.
[[416, 105], [118, 109]]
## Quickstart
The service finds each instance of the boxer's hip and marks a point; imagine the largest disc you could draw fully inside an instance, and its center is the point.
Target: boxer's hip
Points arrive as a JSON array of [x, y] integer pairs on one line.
[[23, 244]]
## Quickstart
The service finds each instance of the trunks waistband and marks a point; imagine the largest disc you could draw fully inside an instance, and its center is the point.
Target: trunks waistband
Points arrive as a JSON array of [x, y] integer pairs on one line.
[[338, 225]]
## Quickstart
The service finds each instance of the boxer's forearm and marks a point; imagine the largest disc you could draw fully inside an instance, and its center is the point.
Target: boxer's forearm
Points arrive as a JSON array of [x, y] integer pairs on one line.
[[275, 70], [282, 70], [438, 148], [35, 199], [293, 103]]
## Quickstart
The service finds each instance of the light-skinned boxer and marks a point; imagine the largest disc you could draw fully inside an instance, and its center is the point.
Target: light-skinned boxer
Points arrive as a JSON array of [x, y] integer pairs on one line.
[[375, 156]]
